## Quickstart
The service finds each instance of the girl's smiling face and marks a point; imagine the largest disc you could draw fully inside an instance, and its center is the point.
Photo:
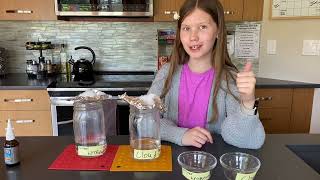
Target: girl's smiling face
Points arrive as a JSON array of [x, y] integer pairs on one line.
[[198, 34]]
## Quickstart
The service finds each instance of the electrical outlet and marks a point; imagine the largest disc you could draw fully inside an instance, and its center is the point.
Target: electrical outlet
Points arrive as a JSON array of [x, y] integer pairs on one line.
[[271, 47], [310, 48]]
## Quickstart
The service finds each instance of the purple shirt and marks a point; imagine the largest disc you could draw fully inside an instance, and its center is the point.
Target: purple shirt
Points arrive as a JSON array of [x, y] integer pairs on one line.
[[194, 94]]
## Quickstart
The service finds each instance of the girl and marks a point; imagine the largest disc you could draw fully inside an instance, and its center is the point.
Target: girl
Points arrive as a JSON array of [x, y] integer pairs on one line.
[[201, 88]]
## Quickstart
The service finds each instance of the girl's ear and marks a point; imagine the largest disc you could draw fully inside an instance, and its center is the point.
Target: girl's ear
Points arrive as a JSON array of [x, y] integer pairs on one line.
[[218, 34]]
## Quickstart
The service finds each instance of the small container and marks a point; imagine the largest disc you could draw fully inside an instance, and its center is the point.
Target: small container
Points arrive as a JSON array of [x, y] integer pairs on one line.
[[29, 67], [237, 165], [35, 67], [144, 126], [49, 67], [42, 68], [11, 147], [197, 164], [89, 128]]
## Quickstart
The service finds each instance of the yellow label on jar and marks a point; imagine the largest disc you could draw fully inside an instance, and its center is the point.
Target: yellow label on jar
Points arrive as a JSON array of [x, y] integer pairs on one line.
[[195, 176], [241, 176], [91, 150], [146, 154]]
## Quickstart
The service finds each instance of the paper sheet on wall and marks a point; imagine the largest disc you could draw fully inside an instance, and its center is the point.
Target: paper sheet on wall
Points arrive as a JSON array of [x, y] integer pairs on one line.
[[295, 8], [247, 41]]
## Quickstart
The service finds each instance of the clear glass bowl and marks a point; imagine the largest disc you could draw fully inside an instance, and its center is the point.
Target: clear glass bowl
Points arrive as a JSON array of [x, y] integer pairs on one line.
[[197, 164], [239, 164]]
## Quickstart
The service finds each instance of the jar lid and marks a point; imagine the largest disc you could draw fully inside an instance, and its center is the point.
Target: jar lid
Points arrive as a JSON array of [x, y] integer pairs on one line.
[[92, 95], [144, 102]]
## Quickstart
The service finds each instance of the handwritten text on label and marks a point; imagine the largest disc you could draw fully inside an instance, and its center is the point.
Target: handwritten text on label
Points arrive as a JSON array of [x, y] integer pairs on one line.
[[195, 176], [146, 154]]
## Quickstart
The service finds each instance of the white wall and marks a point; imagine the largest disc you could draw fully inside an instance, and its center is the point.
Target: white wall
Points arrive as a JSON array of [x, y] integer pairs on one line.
[[288, 63]]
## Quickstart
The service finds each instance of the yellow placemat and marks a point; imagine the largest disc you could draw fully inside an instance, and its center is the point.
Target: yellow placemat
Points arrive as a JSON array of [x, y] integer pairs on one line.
[[124, 161]]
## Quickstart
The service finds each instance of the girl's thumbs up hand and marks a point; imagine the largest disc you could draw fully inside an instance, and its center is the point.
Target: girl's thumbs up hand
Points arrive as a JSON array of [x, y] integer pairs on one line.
[[246, 82]]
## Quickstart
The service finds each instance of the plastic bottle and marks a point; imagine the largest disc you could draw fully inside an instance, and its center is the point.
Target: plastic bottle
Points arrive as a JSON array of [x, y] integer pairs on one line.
[[63, 58], [11, 147]]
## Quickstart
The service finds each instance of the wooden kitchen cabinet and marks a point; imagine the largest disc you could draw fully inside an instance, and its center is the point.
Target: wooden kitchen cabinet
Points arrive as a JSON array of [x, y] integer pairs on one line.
[[242, 10], [29, 111], [27, 123], [302, 101], [164, 10], [252, 10], [285, 110], [30, 100], [27, 10], [234, 10]]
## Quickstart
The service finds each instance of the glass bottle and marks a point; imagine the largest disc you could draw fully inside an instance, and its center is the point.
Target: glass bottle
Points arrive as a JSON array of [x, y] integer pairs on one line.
[[49, 67], [29, 68], [144, 126], [11, 147], [89, 128], [42, 70], [63, 59]]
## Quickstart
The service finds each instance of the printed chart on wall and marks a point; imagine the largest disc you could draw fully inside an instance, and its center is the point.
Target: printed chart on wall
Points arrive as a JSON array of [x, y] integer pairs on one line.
[[295, 9], [247, 41]]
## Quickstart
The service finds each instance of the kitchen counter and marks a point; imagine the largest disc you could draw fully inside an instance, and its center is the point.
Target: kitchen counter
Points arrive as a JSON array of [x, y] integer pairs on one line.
[[21, 81], [277, 161], [275, 83]]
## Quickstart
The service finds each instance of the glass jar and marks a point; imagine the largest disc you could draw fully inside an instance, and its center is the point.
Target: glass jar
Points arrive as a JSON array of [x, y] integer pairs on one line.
[[144, 126], [29, 67], [89, 128]]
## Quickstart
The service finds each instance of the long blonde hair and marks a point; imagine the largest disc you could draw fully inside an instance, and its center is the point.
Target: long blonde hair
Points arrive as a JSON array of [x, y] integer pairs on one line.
[[224, 68]]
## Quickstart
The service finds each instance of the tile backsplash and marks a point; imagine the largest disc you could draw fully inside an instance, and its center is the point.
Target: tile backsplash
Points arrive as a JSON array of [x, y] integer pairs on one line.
[[130, 46], [119, 46]]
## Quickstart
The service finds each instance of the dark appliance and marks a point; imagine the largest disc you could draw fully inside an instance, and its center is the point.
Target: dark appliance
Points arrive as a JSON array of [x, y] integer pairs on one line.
[[104, 8], [3, 61], [62, 92], [82, 68]]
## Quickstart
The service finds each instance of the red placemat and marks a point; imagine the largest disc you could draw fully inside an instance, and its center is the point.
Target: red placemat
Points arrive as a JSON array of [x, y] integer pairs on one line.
[[69, 160]]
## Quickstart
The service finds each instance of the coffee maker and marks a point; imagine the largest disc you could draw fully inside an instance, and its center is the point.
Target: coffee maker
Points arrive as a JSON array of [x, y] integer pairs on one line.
[[82, 68]]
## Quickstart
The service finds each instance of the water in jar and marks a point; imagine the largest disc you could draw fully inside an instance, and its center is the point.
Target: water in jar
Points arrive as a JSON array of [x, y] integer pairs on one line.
[[89, 129], [145, 133]]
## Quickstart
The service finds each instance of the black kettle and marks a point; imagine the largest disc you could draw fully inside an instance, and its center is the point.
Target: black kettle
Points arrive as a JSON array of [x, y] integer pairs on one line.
[[82, 68]]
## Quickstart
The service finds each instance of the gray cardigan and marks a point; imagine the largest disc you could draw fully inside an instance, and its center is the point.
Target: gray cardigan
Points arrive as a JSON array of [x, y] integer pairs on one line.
[[237, 127]]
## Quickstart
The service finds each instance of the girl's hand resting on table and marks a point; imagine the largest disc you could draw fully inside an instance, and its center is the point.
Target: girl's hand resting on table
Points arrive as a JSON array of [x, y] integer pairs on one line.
[[196, 137]]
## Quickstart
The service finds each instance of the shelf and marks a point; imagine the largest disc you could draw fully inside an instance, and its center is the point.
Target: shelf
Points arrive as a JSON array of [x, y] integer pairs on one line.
[[165, 41], [39, 45]]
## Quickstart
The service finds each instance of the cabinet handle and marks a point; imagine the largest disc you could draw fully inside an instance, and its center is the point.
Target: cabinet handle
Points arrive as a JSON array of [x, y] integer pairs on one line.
[[18, 100], [24, 121], [175, 15], [268, 98], [228, 12], [65, 122], [19, 11]]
